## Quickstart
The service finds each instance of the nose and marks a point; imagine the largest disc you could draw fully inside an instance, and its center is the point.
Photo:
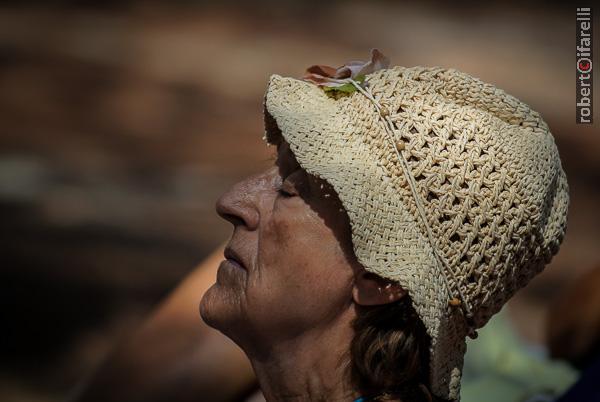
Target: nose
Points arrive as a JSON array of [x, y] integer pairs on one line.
[[240, 204]]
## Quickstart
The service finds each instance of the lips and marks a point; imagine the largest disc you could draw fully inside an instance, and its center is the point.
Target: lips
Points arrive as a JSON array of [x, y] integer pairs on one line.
[[234, 257]]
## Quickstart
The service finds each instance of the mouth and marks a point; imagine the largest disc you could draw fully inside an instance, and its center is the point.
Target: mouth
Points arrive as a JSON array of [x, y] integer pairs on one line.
[[233, 257]]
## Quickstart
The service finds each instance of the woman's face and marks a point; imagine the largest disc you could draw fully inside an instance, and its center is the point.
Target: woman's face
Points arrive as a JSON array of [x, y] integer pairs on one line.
[[289, 266]]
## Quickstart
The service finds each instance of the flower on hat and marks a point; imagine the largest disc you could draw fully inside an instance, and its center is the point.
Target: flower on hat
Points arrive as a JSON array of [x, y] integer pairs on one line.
[[339, 80]]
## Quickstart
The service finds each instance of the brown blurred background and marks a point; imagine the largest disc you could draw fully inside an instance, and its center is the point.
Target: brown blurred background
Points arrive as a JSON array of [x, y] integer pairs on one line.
[[122, 122]]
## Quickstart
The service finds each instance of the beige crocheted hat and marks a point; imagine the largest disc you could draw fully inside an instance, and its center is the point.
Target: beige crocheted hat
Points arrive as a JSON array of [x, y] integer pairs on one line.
[[453, 188]]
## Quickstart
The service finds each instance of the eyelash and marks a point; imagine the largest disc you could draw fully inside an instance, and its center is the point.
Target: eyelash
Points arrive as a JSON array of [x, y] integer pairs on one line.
[[283, 192]]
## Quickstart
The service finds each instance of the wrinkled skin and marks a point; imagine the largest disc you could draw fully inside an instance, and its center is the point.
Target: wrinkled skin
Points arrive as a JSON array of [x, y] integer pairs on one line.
[[287, 292], [295, 244]]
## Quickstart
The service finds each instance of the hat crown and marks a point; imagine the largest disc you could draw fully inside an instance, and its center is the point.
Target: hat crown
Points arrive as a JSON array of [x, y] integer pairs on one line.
[[488, 173]]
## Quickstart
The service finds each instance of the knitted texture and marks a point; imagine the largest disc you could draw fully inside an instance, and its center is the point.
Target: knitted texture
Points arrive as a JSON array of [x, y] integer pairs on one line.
[[484, 170]]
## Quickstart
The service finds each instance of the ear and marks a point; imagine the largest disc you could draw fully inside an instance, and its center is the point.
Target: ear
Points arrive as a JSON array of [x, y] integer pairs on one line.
[[372, 290]]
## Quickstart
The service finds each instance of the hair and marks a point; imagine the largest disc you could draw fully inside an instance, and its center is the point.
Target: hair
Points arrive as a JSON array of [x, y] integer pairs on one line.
[[390, 353]]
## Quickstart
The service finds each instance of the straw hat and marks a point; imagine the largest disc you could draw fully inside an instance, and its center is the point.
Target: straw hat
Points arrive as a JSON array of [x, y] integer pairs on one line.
[[453, 188]]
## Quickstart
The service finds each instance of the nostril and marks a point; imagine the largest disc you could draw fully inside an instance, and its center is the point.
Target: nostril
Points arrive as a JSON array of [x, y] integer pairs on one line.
[[233, 219]]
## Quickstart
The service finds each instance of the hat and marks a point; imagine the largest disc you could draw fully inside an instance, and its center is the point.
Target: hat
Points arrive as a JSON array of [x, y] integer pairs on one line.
[[453, 188]]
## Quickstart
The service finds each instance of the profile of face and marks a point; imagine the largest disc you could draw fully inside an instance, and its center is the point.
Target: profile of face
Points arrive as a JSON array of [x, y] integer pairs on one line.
[[289, 266]]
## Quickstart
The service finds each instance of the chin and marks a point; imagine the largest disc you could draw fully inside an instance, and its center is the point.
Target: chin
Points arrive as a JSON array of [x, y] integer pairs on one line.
[[219, 311], [209, 308]]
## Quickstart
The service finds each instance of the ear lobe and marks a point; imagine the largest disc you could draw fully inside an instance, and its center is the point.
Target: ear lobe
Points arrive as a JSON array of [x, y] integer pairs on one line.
[[372, 290]]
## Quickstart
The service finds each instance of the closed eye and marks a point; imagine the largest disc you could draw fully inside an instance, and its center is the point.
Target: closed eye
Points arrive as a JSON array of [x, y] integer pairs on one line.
[[284, 193]]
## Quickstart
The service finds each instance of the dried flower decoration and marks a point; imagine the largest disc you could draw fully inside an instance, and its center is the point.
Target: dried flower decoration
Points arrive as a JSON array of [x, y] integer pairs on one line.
[[339, 81]]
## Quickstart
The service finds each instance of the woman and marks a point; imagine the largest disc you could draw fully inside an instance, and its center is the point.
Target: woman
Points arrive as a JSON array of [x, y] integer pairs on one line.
[[405, 207]]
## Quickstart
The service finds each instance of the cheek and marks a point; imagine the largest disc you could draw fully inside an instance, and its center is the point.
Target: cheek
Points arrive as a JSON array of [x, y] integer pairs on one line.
[[303, 277], [296, 238]]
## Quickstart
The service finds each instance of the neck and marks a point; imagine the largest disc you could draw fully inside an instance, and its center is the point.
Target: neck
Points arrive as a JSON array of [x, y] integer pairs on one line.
[[309, 367]]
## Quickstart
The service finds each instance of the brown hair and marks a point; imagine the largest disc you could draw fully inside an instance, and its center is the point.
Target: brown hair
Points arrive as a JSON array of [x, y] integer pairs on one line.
[[390, 353]]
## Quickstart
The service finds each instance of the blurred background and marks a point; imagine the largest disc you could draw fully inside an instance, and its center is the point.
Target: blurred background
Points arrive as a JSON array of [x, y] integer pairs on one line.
[[121, 122]]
